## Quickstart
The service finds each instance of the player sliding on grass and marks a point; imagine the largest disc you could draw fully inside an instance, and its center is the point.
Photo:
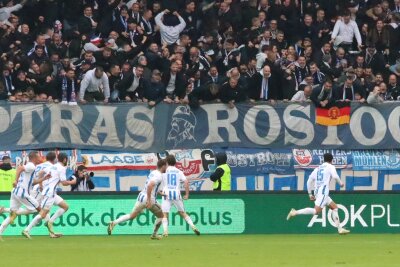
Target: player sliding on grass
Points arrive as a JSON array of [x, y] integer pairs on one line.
[[172, 194], [50, 197], [146, 199], [321, 177]]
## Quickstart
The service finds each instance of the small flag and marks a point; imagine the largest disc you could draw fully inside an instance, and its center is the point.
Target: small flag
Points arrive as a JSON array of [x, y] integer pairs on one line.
[[335, 115]]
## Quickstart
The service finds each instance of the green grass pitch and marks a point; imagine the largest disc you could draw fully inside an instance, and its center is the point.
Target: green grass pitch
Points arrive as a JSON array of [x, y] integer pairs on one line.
[[208, 250]]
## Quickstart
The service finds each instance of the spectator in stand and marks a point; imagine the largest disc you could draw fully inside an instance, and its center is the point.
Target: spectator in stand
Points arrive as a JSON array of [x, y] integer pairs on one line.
[[394, 87], [344, 31], [384, 93], [348, 91], [232, 92], [169, 30], [45, 40], [303, 96], [87, 24], [322, 95], [68, 88], [94, 86], [132, 85], [206, 93], [264, 86], [175, 84], [374, 96], [155, 92]]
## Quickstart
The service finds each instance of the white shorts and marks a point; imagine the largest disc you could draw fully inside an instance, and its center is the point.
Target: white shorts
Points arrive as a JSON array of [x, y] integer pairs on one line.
[[28, 201], [48, 202], [166, 205], [322, 201], [38, 196]]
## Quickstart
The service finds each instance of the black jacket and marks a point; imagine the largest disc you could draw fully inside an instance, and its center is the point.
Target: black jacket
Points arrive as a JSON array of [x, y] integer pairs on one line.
[[154, 92], [220, 158], [126, 82], [314, 97], [227, 93], [87, 183], [180, 83], [85, 26], [256, 87]]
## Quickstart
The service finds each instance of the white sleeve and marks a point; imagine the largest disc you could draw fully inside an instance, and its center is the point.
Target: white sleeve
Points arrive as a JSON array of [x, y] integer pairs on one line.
[[357, 33], [182, 177], [15, 8], [182, 24], [156, 179], [158, 20], [336, 29], [30, 167], [311, 179], [61, 172], [334, 174], [106, 86], [296, 96], [84, 85]]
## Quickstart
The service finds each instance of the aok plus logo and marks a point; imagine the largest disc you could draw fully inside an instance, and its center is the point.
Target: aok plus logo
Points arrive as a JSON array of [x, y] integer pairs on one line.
[[372, 215]]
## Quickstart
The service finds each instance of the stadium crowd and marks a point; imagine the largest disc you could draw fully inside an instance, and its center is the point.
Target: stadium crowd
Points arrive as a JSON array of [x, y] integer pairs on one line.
[[190, 52]]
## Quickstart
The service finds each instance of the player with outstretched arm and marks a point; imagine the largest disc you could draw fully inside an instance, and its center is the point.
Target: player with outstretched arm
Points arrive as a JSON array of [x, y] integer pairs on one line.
[[172, 194], [321, 177]]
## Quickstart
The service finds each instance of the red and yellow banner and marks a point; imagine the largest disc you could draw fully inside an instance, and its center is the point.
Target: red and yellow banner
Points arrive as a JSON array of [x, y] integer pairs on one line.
[[336, 115]]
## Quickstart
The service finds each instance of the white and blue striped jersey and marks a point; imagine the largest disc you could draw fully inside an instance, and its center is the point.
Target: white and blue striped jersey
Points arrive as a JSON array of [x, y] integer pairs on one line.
[[58, 174], [44, 167], [322, 176], [172, 180], [25, 180], [155, 176]]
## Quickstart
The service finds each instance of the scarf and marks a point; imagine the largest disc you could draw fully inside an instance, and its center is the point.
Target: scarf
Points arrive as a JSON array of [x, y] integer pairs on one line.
[[322, 93]]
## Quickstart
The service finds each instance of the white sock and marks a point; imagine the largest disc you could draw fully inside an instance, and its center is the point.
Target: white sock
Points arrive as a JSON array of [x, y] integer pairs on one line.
[[157, 225], [47, 218], [4, 225], [335, 217], [165, 225], [123, 218], [6, 210], [189, 221], [58, 213], [306, 211], [33, 223], [22, 211]]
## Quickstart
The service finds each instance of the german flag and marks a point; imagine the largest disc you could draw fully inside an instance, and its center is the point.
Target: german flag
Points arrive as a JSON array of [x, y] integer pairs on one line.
[[336, 115]]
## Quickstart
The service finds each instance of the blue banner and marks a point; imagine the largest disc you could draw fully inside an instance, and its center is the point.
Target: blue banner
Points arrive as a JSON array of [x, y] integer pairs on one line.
[[260, 161], [376, 160], [310, 159], [138, 128]]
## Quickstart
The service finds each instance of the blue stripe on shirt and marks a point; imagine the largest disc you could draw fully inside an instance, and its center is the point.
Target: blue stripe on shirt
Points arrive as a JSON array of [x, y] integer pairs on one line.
[[30, 182]]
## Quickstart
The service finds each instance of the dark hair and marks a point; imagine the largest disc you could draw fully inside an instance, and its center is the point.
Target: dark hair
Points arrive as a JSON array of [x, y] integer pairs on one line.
[[328, 157], [61, 157], [161, 163], [99, 68], [81, 168], [171, 161], [346, 13], [5, 158], [32, 155], [51, 156]]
